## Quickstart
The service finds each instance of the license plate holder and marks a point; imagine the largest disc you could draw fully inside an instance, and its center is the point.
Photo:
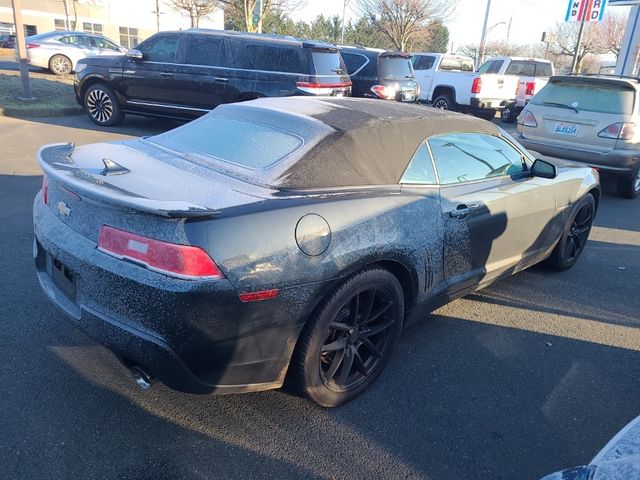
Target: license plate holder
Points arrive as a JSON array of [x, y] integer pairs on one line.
[[62, 276], [408, 97], [566, 128]]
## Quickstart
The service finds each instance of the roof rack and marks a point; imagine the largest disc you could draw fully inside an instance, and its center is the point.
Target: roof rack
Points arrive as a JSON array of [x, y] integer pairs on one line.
[[624, 77]]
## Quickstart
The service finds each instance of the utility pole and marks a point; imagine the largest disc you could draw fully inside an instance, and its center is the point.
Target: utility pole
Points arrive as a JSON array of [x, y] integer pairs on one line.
[[157, 12], [344, 13], [509, 29], [22, 50], [483, 40], [576, 54], [260, 16]]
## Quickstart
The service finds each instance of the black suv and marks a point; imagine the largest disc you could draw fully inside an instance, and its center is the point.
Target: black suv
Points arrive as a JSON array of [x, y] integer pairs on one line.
[[185, 74], [380, 74]]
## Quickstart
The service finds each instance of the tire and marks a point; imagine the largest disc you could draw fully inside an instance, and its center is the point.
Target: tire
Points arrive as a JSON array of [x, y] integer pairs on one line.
[[629, 186], [488, 115], [575, 235], [338, 356], [60, 65], [443, 102], [509, 114], [102, 106]]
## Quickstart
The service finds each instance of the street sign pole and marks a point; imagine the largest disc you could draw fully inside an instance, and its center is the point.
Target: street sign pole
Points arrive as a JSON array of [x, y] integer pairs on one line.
[[22, 49], [576, 54]]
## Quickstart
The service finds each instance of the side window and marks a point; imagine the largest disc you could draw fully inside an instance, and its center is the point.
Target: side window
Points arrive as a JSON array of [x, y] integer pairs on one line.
[[162, 49], [275, 58], [465, 157], [353, 61], [206, 50], [424, 62], [420, 169]]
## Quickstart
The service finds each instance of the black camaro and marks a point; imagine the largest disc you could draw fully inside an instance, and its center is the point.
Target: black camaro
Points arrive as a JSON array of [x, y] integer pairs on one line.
[[290, 239]]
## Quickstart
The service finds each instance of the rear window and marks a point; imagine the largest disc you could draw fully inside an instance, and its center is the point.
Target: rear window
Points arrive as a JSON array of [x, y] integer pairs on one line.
[[464, 65], [328, 62], [240, 142], [395, 68], [527, 68], [601, 98]]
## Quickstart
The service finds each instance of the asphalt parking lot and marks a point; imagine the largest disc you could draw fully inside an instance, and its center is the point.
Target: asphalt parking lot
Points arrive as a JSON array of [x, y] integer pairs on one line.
[[530, 376]]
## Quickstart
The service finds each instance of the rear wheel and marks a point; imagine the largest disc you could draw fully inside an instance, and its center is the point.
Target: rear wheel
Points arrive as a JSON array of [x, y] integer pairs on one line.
[[443, 102], [509, 114], [348, 341], [575, 236], [629, 187], [60, 65], [102, 106]]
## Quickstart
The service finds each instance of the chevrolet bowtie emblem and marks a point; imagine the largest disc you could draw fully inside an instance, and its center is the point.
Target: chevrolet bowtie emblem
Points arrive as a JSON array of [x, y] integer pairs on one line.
[[63, 209]]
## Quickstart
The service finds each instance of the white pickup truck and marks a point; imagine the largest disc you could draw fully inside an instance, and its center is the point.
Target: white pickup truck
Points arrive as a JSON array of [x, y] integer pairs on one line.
[[450, 82], [532, 73]]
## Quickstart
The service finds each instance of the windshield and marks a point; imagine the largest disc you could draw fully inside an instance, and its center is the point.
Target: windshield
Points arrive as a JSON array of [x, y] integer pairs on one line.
[[601, 98], [395, 68], [240, 142]]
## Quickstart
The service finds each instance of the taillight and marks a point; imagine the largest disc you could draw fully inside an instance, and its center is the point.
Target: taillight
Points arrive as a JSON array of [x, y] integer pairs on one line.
[[32, 45], [45, 190], [477, 85], [384, 91], [184, 261], [530, 88], [527, 119], [618, 131], [315, 88]]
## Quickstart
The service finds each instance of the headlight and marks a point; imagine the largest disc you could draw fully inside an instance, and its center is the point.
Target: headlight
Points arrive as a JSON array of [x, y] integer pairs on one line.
[[80, 66]]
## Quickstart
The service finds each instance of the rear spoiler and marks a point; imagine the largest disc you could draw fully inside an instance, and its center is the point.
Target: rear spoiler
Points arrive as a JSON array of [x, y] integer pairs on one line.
[[56, 162]]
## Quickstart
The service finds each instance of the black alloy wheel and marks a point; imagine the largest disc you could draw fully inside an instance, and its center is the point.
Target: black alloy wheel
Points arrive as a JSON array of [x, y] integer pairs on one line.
[[574, 239], [349, 340], [509, 113]]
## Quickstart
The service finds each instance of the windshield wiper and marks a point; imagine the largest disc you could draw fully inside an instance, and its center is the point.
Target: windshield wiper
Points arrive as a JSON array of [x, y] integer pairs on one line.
[[561, 105]]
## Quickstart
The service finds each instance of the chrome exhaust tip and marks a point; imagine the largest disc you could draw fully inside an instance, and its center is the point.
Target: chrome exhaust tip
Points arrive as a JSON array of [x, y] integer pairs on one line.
[[143, 378]]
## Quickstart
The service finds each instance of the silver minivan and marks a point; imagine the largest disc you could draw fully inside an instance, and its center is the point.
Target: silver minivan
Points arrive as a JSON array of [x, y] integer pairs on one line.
[[588, 119]]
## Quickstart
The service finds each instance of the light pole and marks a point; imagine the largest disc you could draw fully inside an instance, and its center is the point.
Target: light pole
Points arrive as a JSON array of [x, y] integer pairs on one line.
[[22, 50], [576, 54], [158, 13], [344, 13]]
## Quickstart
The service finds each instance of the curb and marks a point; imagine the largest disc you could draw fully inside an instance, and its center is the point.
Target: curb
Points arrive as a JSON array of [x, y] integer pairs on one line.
[[40, 112]]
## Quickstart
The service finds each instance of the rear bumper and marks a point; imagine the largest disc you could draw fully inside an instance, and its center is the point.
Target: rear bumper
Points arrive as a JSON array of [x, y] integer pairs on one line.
[[489, 103], [616, 161], [194, 336]]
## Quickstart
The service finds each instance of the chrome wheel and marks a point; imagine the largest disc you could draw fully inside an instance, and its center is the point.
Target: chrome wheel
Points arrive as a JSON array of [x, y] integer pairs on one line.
[[99, 105], [442, 104], [357, 339], [578, 233], [60, 65], [636, 182]]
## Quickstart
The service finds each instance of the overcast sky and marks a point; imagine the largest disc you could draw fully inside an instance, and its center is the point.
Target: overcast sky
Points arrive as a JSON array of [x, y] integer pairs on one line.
[[530, 17]]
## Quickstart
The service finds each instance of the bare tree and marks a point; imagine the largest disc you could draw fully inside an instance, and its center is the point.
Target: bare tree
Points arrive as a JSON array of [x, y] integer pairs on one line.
[[493, 49], [196, 9], [253, 14], [402, 21], [612, 32], [566, 40]]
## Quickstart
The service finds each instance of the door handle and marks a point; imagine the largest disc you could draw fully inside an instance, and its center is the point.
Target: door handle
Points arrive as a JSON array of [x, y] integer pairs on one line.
[[462, 211], [166, 74], [220, 79]]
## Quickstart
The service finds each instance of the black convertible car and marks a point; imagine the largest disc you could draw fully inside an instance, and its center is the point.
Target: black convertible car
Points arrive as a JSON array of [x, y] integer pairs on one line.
[[290, 239]]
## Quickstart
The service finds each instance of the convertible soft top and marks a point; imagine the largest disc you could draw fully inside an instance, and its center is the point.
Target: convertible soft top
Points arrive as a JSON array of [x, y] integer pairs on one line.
[[345, 141]]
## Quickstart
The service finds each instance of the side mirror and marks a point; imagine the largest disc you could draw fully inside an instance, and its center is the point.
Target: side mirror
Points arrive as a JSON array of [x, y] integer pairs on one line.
[[543, 169], [134, 54]]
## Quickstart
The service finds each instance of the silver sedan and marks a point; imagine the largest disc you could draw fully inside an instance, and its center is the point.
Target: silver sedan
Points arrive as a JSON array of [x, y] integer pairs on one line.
[[60, 51]]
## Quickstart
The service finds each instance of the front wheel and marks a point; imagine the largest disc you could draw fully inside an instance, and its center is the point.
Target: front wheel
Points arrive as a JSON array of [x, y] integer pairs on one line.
[[574, 238], [443, 102], [629, 186], [348, 341], [102, 106]]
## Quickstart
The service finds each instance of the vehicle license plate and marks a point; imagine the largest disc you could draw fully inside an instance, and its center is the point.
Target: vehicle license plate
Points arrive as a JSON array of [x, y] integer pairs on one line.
[[62, 277], [569, 129], [408, 96]]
